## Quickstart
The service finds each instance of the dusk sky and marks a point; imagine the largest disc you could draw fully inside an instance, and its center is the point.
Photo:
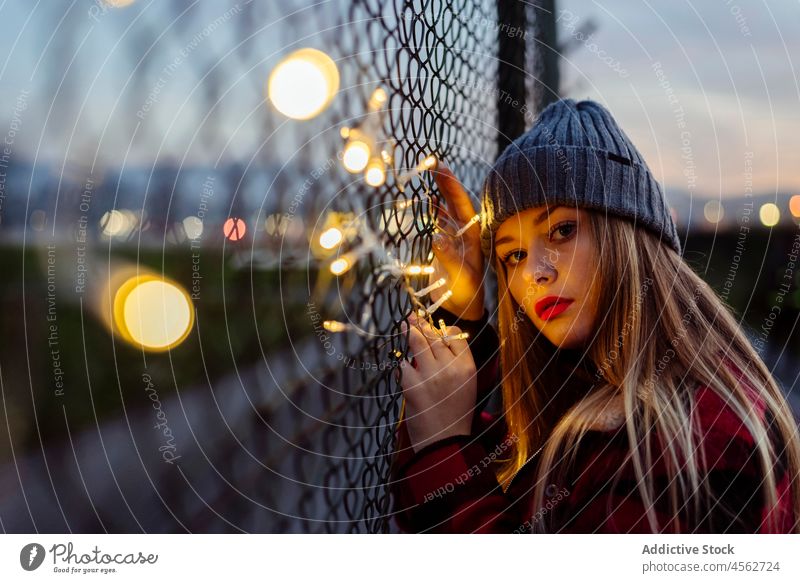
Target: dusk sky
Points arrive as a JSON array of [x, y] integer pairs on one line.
[[727, 67], [733, 70]]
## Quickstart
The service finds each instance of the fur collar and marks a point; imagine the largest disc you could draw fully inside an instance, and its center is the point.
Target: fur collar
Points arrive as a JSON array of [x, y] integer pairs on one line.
[[608, 418]]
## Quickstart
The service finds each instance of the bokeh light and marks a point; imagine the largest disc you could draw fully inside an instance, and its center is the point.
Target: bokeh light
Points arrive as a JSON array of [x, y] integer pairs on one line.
[[303, 84], [153, 313], [340, 266], [376, 172], [193, 227], [377, 99], [794, 206], [331, 238], [356, 156], [118, 223], [38, 220], [713, 211], [113, 223], [769, 214], [234, 229]]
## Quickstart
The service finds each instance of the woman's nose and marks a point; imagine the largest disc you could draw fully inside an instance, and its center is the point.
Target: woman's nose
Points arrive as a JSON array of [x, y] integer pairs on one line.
[[539, 270]]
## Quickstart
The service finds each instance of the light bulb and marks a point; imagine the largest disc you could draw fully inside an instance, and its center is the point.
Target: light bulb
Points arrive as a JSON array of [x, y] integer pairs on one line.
[[303, 84], [428, 163], [419, 269], [467, 225], [377, 99], [334, 326], [435, 285], [438, 303]]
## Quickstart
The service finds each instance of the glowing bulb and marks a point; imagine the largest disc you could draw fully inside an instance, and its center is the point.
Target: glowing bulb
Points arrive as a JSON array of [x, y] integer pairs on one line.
[[331, 238], [334, 326], [467, 225], [794, 206], [459, 336], [713, 211], [435, 285], [340, 266], [427, 163], [118, 3], [303, 84], [356, 156], [153, 313], [419, 269], [376, 172], [377, 99], [769, 214], [438, 303]]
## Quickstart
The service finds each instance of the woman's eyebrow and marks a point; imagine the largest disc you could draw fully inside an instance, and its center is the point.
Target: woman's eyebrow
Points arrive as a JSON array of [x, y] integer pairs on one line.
[[545, 214], [501, 240], [539, 219]]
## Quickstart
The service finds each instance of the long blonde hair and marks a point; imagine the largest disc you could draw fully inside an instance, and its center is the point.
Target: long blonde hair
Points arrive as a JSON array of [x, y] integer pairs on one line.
[[662, 332]]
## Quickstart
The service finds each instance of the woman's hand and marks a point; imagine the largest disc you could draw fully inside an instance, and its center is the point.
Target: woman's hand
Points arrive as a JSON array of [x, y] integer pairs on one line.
[[459, 260], [441, 390]]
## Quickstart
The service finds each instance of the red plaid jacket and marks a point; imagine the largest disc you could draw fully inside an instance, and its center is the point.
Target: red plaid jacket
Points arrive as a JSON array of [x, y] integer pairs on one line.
[[450, 485]]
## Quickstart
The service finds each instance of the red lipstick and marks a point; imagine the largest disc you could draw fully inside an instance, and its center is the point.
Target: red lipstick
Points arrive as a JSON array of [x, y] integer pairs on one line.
[[551, 306]]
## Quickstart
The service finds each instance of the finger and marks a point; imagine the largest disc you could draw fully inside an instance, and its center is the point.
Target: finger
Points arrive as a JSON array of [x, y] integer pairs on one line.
[[441, 210], [410, 378], [434, 338], [447, 252], [458, 201], [419, 347]]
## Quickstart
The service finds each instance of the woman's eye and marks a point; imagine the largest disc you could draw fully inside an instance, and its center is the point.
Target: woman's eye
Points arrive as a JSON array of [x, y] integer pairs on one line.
[[514, 257], [565, 229]]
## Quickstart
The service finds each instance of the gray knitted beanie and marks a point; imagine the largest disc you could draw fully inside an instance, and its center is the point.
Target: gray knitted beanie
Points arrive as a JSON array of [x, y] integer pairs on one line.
[[575, 154]]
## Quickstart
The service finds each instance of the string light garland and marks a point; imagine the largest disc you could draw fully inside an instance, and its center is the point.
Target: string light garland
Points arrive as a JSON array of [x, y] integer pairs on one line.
[[361, 154]]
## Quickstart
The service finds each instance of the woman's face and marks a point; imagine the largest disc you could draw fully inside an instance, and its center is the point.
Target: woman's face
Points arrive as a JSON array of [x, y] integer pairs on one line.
[[551, 253]]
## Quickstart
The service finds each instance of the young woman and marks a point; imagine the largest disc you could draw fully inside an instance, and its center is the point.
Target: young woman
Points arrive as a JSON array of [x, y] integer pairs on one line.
[[632, 401]]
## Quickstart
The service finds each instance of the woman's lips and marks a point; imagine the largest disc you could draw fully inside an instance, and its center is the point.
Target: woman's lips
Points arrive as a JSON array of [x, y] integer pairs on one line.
[[548, 308]]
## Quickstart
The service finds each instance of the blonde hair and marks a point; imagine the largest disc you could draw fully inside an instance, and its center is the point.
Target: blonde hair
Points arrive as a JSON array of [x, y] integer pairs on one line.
[[662, 333]]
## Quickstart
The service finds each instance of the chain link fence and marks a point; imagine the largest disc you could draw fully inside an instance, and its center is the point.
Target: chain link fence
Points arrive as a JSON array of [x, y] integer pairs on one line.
[[280, 424]]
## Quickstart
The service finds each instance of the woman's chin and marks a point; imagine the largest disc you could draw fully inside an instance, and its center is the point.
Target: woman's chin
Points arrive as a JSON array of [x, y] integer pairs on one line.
[[563, 337]]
